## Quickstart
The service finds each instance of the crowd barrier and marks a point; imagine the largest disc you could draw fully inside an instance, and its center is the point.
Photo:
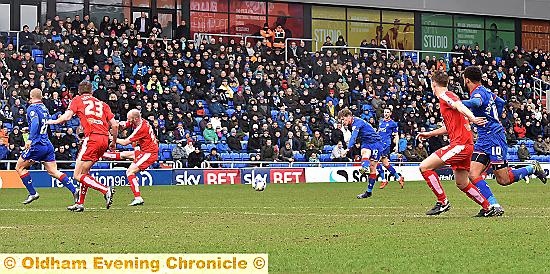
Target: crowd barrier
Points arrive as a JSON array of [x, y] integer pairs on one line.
[[230, 176]]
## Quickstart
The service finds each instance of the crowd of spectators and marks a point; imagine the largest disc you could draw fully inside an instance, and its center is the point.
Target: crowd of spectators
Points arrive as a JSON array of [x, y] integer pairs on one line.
[[245, 97]]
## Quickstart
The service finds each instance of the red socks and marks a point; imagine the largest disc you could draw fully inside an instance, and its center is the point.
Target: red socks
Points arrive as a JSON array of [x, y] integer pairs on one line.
[[89, 181], [82, 194], [134, 185], [433, 182], [474, 194]]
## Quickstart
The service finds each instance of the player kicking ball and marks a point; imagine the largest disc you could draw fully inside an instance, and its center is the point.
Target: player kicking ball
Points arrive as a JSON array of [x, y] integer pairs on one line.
[[145, 156], [38, 148], [371, 146], [457, 154], [95, 117], [387, 129], [491, 149]]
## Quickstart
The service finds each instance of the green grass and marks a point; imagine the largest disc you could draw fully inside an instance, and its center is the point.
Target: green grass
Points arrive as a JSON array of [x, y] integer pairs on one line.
[[303, 228]]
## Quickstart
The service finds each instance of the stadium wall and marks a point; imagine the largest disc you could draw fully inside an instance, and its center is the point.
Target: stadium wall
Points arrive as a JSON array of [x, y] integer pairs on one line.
[[237, 176]]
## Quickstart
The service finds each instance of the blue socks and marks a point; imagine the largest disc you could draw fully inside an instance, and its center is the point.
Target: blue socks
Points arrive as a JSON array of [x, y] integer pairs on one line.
[[67, 183], [27, 181], [381, 172], [520, 173], [372, 181], [393, 172], [485, 191]]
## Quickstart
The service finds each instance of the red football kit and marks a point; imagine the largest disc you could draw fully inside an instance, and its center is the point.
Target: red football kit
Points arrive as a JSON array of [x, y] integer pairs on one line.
[[94, 117], [458, 153], [145, 138]]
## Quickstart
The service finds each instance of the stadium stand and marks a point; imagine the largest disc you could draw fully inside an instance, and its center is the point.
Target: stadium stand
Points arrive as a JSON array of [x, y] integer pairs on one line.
[[251, 94]]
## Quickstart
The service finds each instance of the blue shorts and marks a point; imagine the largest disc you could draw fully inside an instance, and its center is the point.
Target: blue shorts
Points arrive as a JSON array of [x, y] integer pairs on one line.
[[494, 145], [386, 151], [39, 153], [376, 150]]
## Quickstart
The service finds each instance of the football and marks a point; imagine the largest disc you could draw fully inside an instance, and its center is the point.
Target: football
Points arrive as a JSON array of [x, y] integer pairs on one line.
[[259, 184]]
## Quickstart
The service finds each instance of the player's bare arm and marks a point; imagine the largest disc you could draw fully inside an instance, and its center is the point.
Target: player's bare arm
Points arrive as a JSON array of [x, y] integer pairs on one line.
[[469, 114], [61, 119], [114, 132], [436, 132], [123, 142]]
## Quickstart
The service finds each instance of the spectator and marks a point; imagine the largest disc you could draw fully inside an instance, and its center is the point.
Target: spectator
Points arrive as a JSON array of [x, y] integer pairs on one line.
[[179, 154], [511, 137], [233, 141], [339, 153], [317, 141], [286, 154], [268, 152], [15, 152], [355, 152], [143, 24], [541, 146], [16, 137], [213, 157], [314, 158], [182, 31], [410, 154], [195, 158], [57, 139], [62, 154], [523, 152], [209, 134], [311, 150], [421, 152], [3, 153], [519, 129]]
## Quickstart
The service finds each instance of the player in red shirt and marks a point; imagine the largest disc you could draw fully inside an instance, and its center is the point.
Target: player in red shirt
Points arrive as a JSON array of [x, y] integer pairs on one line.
[[144, 155], [457, 154], [95, 117]]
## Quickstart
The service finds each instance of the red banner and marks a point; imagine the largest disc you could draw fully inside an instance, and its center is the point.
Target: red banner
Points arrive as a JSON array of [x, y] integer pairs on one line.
[[222, 177], [287, 176]]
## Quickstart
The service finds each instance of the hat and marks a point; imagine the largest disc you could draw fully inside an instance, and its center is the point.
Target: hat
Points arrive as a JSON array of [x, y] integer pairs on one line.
[[233, 130]]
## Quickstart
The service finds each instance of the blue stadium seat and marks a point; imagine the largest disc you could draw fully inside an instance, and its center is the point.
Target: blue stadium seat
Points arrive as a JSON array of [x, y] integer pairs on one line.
[[203, 147], [196, 129], [235, 156], [300, 157], [325, 158], [9, 126], [274, 114], [230, 112], [244, 144], [244, 156], [166, 155], [327, 149], [226, 156]]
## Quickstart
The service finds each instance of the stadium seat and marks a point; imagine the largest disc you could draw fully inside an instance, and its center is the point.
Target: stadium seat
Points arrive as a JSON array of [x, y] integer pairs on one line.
[[226, 157], [300, 157], [204, 147], [244, 144], [230, 112], [327, 149], [274, 114], [9, 126], [325, 158], [244, 156], [235, 156]]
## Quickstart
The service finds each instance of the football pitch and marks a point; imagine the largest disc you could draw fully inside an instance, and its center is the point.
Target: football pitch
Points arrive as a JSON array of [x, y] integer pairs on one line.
[[304, 228]]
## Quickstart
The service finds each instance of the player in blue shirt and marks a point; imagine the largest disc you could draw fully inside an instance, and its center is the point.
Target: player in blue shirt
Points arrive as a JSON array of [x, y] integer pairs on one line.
[[491, 147], [39, 148], [371, 146], [387, 129]]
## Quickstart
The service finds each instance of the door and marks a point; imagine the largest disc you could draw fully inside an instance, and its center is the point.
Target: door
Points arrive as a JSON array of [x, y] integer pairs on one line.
[[168, 22]]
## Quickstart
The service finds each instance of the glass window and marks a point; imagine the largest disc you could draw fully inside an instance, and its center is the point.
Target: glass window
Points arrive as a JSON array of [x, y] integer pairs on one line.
[[364, 15], [72, 1], [65, 10], [112, 2], [285, 9], [208, 22], [248, 7], [359, 31], [165, 20], [98, 11], [323, 12], [29, 16], [245, 24], [43, 11], [209, 5], [398, 36], [166, 4], [5, 17], [141, 3], [294, 27]]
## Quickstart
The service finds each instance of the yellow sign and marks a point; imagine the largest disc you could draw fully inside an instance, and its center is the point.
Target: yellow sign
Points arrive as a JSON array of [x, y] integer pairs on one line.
[[320, 29], [133, 263], [358, 32], [321, 12], [364, 15], [400, 17]]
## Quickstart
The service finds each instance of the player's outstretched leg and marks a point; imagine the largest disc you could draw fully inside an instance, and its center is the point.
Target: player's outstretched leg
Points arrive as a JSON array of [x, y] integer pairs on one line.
[[464, 184], [22, 170], [51, 168], [427, 169], [506, 175], [134, 185], [394, 173], [382, 175]]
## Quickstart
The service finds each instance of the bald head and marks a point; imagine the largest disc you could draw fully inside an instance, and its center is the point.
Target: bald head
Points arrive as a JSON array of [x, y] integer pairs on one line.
[[36, 94], [134, 113]]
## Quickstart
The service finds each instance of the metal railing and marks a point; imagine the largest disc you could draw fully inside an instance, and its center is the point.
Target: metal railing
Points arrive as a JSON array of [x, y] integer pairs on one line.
[[10, 164], [541, 91], [418, 52], [198, 37], [259, 164], [299, 39]]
